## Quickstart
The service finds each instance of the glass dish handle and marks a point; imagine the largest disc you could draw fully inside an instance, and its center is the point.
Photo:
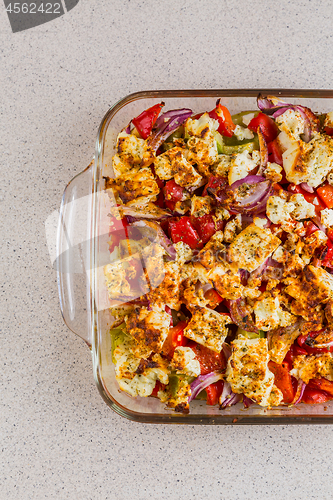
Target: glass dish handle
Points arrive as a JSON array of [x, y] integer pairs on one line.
[[73, 254]]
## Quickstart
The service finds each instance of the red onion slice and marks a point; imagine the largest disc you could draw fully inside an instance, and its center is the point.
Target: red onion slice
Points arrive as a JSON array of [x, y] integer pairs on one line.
[[254, 203], [226, 350], [272, 106], [228, 398], [203, 381], [166, 124], [306, 187], [247, 402], [263, 151], [299, 393]]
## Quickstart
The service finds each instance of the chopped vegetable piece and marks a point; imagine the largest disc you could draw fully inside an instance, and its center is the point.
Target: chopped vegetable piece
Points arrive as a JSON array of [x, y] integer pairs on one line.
[[206, 227], [175, 339], [282, 380], [214, 298], [182, 230], [326, 194], [172, 191], [145, 121], [267, 125], [214, 391], [274, 153], [222, 115], [315, 396], [209, 360]]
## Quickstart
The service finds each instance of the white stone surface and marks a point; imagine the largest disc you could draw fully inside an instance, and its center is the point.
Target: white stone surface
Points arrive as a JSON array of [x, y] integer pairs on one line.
[[59, 439]]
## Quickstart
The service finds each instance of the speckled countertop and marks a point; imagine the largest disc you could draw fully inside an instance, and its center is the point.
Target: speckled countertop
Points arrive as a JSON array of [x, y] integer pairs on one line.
[[58, 438]]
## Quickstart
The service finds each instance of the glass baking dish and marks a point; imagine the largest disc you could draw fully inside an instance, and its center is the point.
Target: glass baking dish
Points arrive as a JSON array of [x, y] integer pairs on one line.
[[82, 251]]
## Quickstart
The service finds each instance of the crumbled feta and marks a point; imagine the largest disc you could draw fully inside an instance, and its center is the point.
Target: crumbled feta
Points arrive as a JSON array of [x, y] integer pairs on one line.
[[269, 314], [243, 133], [222, 166], [184, 252], [202, 126], [133, 150], [200, 205], [308, 367], [251, 247], [247, 118], [184, 362], [303, 209], [173, 164], [273, 172], [135, 375], [291, 122], [260, 221], [232, 227], [256, 156], [202, 150], [326, 217], [278, 210]]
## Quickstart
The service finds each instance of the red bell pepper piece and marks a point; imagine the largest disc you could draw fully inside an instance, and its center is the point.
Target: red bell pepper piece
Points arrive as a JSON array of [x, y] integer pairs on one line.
[[326, 194], [328, 130], [282, 380], [323, 384], [328, 259], [274, 153], [310, 227], [289, 357], [182, 230], [299, 351], [222, 115], [145, 121], [158, 387], [209, 360], [310, 197], [168, 310], [175, 339], [117, 232], [214, 298], [302, 342], [315, 396], [215, 182], [267, 125], [173, 191], [214, 391], [206, 227], [329, 233]]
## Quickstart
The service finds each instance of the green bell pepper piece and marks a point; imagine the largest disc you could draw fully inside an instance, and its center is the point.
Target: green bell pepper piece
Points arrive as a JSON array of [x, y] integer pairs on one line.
[[251, 335], [118, 336], [238, 118]]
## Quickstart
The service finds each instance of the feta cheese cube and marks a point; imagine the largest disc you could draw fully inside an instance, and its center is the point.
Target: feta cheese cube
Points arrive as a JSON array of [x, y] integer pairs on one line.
[[252, 246], [208, 328], [248, 372]]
